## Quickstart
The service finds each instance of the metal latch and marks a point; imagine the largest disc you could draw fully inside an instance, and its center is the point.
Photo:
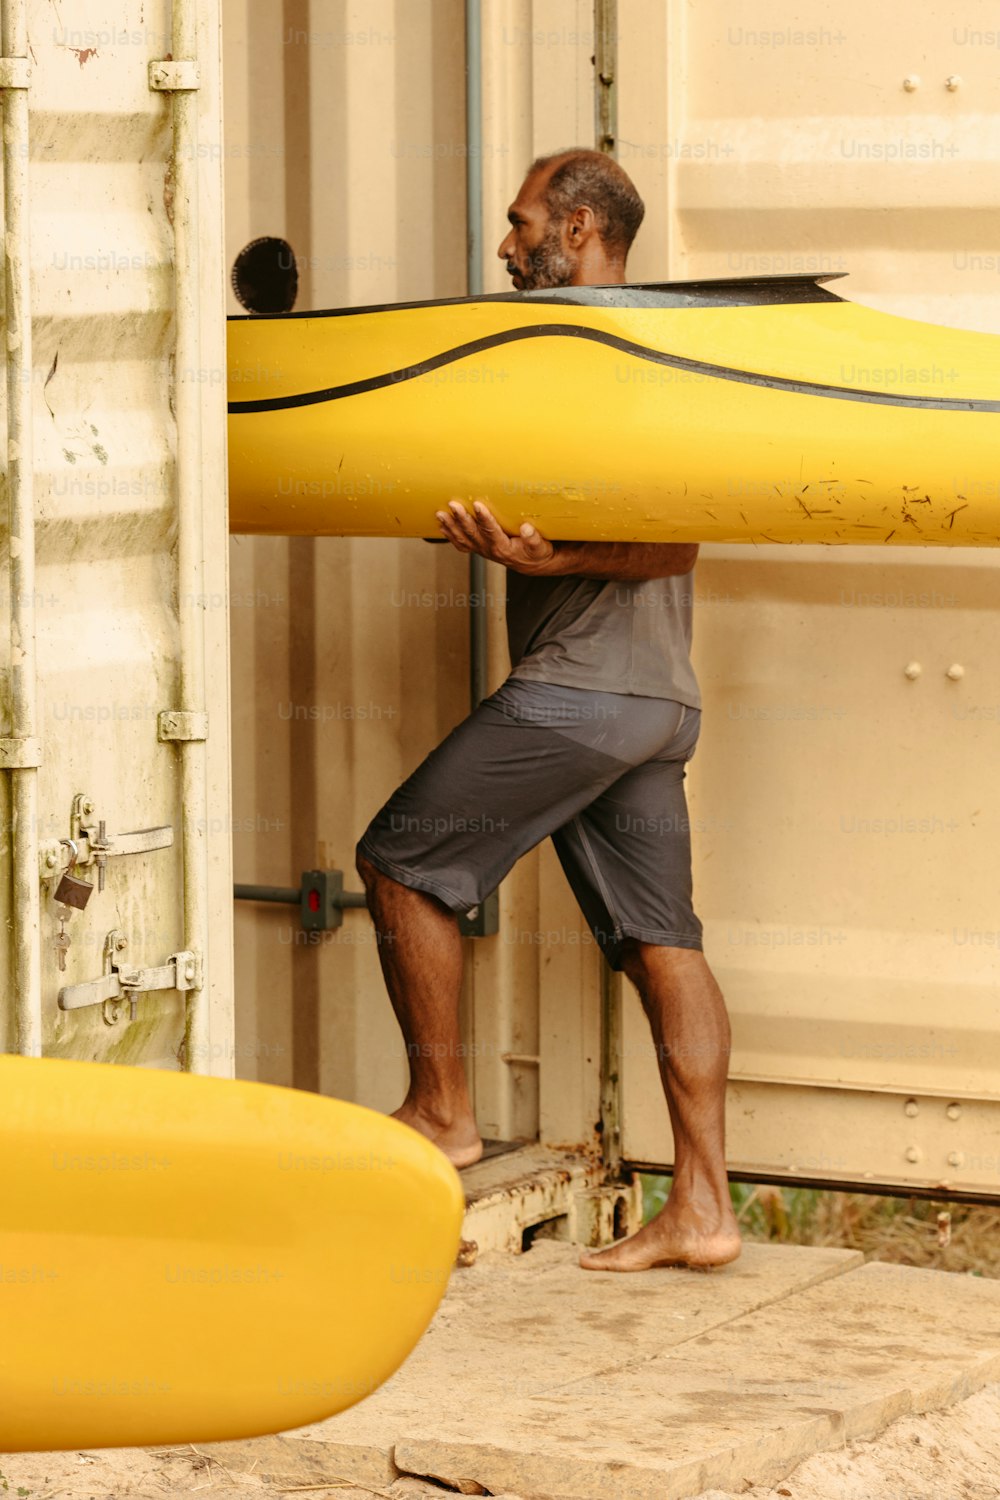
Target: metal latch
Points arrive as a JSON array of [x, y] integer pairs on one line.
[[120, 981]]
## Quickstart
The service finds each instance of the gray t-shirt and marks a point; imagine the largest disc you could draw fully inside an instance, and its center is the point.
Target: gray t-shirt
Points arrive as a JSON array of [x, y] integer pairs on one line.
[[607, 636]]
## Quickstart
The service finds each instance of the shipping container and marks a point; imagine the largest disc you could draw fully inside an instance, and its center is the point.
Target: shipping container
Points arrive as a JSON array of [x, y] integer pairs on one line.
[[843, 810]]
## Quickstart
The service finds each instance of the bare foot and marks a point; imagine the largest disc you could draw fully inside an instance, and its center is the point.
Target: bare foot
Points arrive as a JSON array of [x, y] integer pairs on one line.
[[670, 1241], [458, 1139]]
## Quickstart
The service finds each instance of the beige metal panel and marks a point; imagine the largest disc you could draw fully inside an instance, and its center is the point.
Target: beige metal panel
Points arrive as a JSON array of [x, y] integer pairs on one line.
[[104, 441], [906, 1140], [845, 819], [537, 98], [792, 144], [651, 77], [562, 74], [508, 123]]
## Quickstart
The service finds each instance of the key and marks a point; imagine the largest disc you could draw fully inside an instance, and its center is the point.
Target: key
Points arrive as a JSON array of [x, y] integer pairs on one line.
[[62, 940]]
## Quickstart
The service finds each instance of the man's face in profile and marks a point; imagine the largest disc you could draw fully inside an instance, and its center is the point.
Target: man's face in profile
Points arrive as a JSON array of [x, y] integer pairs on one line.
[[536, 248]]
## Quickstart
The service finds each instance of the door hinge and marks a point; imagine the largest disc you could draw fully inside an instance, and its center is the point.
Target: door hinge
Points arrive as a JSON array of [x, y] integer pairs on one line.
[[121, 981], [179, 724], [170, 77], [20, 754], [15, 73]]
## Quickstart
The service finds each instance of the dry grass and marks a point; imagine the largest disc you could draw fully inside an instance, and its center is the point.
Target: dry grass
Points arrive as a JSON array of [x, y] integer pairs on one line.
[[908, 1231]]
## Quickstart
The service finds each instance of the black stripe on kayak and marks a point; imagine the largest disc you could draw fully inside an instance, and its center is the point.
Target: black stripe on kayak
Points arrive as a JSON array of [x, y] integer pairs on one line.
[[625, 346]]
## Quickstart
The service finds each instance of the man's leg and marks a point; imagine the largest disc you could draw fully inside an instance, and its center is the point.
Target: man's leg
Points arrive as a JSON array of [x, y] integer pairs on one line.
[[421, 956], [687, 1016], [518, 768]]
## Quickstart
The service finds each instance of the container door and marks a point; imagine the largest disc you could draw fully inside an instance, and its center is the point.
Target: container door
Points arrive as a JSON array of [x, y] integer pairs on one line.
[[844, 799], [130, 596]]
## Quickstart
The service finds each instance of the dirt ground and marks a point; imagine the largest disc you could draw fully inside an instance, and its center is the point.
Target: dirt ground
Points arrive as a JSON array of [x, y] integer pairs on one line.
[[945, 1455]]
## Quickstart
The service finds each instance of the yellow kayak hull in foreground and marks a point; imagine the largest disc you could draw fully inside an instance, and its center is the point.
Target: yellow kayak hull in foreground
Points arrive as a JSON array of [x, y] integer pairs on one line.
[[185, 1259], [765, 410]]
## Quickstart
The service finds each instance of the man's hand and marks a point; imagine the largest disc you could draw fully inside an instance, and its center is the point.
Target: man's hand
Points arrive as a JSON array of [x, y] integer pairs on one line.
[[632, 562], [481, 532]]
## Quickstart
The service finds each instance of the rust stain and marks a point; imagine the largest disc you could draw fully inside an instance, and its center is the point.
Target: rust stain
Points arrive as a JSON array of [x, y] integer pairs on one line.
[[169, 190], [83, 54]]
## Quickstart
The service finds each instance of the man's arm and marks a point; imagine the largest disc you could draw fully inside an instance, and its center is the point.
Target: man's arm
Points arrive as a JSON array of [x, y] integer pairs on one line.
[[628, 561], [531, 554]]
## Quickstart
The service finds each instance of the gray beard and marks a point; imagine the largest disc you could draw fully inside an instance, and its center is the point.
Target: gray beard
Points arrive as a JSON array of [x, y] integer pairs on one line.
[[548, 264]]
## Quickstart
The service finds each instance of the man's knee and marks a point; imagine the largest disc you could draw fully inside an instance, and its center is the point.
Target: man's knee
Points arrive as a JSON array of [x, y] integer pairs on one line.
[[643, 962], [633, 961]]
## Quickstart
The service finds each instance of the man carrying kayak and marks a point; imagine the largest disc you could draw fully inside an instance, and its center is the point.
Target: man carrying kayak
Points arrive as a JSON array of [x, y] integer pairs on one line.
[[586, 742]]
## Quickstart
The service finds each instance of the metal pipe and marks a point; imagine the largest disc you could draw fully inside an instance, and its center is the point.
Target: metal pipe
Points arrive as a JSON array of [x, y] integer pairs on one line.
[[20, 751], [190, 541], [478, 640], [284, 895], [606, 139]]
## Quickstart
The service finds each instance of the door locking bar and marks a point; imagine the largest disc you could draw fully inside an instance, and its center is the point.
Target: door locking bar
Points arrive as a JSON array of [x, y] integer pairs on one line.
[[94, 845], [121, 981]]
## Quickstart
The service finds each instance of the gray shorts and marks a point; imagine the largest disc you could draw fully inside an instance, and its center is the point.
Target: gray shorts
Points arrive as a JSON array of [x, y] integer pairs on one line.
[[602, 773]]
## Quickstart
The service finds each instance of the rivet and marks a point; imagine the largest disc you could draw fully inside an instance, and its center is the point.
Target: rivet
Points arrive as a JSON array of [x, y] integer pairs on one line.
[[953, 1111], [51, 859], [912, 670], [953, 82], [956, 1159], [956, 671], [911, 1108], [911, 83], [120, 943], [913, 1153]]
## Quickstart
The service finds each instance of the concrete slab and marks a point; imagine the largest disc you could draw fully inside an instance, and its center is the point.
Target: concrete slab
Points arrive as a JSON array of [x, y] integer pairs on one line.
[[515, 1331], [745, 1401]]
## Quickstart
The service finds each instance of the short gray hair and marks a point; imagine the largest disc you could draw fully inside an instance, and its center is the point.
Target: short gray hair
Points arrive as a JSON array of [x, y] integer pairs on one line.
[[592, 179]]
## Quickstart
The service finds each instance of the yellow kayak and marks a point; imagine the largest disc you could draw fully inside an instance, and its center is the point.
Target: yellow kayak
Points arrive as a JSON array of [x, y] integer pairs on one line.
[[187, 1259], [749, 411]]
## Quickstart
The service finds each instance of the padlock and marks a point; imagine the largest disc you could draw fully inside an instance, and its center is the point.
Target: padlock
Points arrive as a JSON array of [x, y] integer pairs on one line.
[[71, 890]]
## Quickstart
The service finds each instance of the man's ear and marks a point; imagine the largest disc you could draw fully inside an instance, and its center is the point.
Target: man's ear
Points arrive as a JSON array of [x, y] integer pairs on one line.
[[581, 225]]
